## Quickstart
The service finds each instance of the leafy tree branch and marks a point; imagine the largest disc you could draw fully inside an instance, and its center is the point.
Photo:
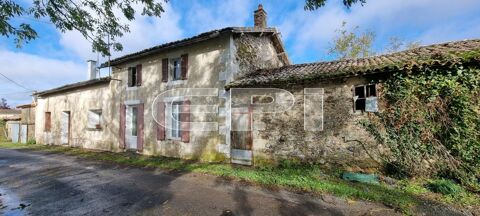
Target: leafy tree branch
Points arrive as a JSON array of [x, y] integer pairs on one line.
[[99, 21]]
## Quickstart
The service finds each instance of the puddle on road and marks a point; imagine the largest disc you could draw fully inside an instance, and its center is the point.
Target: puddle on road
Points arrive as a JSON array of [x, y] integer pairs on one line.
[[10, 205]]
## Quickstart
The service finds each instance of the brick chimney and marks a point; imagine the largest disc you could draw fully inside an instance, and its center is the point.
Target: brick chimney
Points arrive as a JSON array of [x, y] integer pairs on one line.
[[260, 17]]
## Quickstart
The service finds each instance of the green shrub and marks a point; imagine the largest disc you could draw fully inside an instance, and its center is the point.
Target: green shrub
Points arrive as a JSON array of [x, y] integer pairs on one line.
[[445, 187], [430, 123], [31, 142]]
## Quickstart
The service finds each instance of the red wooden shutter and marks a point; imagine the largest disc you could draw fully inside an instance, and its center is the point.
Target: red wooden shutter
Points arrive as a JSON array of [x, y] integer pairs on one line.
[[139, 75], [48, 121], [140, 127], [165, 70], [161, 120], [250, 128], [185, 121], [184, 66], [123, 110], [129, 78]]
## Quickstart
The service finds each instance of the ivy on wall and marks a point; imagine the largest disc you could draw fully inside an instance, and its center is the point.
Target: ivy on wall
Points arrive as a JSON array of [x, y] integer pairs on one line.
[[431, 124]]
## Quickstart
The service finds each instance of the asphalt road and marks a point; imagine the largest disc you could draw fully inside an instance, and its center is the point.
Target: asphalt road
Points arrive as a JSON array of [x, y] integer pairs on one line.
[[38, 183]]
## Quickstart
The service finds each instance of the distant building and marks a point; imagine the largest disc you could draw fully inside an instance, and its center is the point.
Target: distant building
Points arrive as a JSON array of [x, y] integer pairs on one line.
[[9, 114]]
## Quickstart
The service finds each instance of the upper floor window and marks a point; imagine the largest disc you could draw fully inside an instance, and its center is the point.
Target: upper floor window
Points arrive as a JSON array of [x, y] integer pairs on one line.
[[177, 69], [135, 76], [365, 98]]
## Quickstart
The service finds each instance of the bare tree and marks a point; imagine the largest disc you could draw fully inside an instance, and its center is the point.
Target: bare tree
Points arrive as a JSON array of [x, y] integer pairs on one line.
[[3, 104]]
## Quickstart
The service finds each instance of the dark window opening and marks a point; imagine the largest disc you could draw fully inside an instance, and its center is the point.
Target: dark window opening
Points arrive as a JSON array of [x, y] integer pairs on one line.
[[362, 93], [132, 76], [371, 91]]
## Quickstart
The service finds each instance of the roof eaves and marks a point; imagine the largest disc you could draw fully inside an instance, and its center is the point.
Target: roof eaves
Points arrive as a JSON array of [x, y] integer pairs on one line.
[[185, 42], [73, 86], [446, 54]]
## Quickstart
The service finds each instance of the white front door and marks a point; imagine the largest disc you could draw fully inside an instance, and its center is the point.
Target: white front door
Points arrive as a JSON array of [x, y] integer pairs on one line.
[[23, 133], [65, 127], [131, 127]]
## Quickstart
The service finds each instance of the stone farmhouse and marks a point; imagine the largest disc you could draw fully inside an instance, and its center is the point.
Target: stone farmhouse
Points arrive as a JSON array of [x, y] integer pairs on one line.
[[229, 95]]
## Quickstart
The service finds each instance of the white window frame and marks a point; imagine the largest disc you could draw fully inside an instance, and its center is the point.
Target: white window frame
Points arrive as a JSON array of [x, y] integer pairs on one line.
[[99, 123], [170, 101], [172, 70], [366, 95]]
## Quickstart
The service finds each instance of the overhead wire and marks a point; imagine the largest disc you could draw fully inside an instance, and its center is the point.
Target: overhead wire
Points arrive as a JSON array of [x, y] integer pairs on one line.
[[16, 83]]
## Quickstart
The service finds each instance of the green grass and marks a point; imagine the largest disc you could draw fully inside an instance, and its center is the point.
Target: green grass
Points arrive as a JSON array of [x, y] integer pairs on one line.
[[294, 177]]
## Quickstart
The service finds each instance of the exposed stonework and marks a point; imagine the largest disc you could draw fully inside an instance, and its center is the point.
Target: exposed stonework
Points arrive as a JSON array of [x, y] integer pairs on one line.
[[253, 53], [342, 141]]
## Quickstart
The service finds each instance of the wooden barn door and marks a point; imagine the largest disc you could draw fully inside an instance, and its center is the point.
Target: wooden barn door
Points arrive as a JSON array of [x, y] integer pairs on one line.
[[241, 135]]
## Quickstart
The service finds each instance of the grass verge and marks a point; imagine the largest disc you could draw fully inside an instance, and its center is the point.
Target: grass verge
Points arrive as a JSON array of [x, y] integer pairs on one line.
[[404, 196]]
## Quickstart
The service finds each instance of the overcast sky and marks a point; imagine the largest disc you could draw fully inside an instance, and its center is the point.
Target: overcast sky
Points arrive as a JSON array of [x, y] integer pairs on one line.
[[57, 58]]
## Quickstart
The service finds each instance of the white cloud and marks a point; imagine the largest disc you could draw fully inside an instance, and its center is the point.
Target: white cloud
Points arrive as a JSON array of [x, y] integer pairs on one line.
[[430, 21], [36, 73], [144, 33]]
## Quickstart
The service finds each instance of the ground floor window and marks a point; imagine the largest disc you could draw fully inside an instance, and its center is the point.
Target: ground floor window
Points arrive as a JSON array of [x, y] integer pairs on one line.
[[175, 126], [94, 119], [134, 121]]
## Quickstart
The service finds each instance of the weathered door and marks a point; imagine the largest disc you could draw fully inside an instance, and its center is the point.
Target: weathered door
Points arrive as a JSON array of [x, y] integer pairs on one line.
[[131, 127], [15, 132], [23, 133], [241, 135], [65, 128]]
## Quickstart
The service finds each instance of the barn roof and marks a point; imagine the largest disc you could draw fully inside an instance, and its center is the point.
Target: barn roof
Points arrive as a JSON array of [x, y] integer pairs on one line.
[[445, 53]]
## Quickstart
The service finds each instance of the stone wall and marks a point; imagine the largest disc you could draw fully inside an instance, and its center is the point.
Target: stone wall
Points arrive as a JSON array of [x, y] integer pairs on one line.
[[78, 103], [279, 136], [255, 52]]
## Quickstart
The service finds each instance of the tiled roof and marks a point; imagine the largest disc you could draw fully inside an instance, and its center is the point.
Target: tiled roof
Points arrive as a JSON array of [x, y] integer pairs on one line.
[[426, 55], [187, 41], [10, 111], [73, 86]]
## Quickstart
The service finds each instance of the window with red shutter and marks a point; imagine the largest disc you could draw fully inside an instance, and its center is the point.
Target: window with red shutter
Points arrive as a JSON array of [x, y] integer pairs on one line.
[[139, 75], [165, 70], [184, 74], [48, 121], [185, 124], [140, 125], [161, 121], [123, 110]]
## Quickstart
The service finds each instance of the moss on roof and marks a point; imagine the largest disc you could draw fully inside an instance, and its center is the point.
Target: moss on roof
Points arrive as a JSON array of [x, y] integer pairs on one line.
[[437, 54]]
